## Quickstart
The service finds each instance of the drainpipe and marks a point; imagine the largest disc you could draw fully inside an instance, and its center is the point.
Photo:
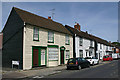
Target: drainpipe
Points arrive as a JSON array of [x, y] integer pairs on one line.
[[24, 31], [74, 51]]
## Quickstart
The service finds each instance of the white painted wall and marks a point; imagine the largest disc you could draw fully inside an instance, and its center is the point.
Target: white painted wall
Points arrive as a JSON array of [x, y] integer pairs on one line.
[[84, 47], [59, 39], [103, 50]]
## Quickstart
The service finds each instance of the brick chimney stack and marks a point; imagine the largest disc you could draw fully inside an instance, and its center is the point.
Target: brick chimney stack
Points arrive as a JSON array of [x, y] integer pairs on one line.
[[49, 17], [109, 41], [77, 26]]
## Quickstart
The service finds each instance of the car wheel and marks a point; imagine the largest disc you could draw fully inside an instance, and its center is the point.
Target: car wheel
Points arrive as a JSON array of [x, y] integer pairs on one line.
[[88, 65], [93, 63], [79, 67], [68, 68], [98, 62]]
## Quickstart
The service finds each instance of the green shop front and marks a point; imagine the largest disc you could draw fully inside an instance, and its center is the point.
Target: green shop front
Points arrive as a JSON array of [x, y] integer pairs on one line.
[[39, 56], [51, 55]]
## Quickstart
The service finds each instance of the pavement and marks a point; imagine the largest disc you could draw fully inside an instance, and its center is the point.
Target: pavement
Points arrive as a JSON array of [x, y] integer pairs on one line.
[[7, 73], [35, 72]]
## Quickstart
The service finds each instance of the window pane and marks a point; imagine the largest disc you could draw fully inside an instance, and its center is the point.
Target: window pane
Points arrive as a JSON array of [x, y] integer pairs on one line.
[[67, 54], [53, 53], [36, 34], [80, 41], [67, 39], [81, 53], [50, 36]]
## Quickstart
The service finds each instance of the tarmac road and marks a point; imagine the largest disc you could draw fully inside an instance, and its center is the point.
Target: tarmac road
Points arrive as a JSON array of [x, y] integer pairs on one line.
[[109, 70]]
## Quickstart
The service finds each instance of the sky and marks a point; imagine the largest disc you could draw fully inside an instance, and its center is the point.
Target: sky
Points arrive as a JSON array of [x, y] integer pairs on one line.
[[98, 18]]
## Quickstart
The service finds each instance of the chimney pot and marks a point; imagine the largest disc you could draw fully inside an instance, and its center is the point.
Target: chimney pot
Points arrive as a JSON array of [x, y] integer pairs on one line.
[[49, 17], [77, 26]]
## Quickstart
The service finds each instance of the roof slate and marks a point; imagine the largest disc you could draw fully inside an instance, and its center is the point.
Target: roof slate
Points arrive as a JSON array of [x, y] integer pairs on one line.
[[87, 36], [36, 20]]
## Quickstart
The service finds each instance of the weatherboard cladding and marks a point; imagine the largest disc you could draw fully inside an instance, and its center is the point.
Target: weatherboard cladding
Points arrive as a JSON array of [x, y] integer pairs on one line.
[[87, 36], [36, 20]]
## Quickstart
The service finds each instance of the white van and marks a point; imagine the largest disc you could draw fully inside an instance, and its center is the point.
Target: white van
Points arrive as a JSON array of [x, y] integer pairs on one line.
[[115, 55]]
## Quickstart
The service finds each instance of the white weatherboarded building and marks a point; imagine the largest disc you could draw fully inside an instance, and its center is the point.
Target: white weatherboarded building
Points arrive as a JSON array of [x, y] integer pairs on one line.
[[83, 44]]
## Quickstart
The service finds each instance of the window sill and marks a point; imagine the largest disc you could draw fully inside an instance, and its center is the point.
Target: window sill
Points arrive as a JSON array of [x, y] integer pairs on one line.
[[66, 59], [50, 42], [52, 60], [36, 40], [67, 44]]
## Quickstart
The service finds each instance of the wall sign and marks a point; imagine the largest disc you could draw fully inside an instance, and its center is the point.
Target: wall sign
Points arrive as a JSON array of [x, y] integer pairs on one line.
[[15, 63]]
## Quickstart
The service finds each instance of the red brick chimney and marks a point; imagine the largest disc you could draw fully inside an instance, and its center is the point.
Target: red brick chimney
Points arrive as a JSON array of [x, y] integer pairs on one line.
[[77, 26], [49, 17]]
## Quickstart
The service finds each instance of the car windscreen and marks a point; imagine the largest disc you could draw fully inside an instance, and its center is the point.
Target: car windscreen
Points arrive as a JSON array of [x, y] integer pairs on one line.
[[105, 56], [94, 58], [88, 58], [73, 59]]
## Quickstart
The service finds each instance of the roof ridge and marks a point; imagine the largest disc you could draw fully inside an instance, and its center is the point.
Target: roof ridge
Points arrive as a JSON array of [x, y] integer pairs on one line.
[[15, 8]]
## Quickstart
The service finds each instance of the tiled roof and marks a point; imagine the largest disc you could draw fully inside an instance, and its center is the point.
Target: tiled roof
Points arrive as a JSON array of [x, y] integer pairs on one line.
[[36, 20], [88, 36], [78, 33]]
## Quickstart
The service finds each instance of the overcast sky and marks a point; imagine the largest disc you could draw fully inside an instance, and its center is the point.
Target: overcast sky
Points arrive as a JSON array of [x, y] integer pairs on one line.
[[98, 18]]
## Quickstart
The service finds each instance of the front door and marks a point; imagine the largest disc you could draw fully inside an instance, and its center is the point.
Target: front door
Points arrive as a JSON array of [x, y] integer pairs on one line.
[[62, 56], [35, 57], [42, 56]]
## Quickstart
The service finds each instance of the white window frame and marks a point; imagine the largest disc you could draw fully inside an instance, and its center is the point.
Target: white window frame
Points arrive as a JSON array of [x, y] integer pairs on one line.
[[67, 40], [36, 34], [50, 36], [80, 53], [52, 55], [67, 54], [80, 41]]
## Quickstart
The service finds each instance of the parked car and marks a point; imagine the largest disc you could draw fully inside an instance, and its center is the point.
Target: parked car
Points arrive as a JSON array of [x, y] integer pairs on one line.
[[78, 63], [92, 60], [107, 58]]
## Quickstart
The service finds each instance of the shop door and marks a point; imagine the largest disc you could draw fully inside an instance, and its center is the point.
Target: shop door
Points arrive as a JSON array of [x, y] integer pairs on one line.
[[62, 56], [35, 57], [42, 56]]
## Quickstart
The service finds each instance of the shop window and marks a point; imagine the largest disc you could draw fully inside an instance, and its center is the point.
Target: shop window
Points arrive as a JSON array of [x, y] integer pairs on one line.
[[52, 53]]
